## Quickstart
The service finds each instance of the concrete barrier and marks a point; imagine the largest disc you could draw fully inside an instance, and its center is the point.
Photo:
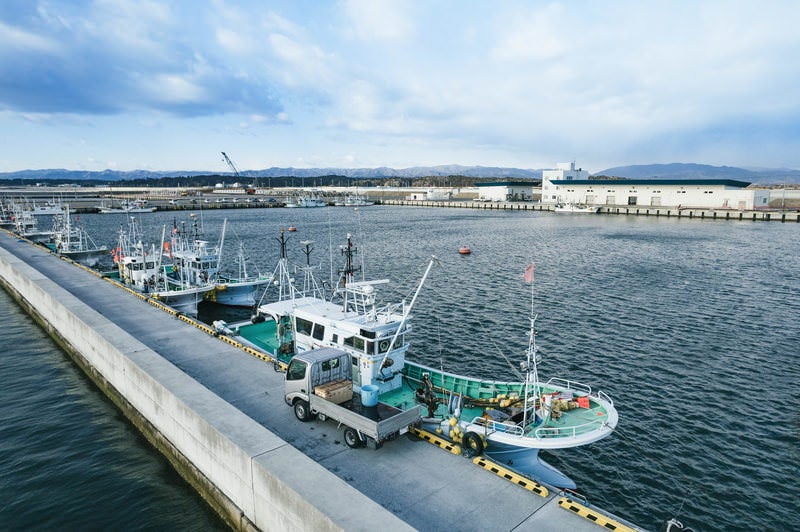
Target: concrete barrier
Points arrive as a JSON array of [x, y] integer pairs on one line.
[[251, 477]]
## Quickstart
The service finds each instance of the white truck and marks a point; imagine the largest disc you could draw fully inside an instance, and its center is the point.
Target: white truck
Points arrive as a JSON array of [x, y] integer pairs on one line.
[[319, 383]]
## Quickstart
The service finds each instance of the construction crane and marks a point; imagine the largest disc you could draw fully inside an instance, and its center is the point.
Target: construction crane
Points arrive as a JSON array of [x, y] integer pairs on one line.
[[230, 163], [248, 190]]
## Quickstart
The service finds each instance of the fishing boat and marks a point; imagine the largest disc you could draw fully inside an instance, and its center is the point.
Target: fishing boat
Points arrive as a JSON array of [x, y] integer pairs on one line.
[[573, 208], [142, 268], [509, 421], [26, 226], [200, 261], [73, 241]]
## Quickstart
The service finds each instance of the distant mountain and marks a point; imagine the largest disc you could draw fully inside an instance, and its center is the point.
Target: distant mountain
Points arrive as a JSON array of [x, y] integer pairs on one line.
[[761, 176], [649, 171], [417, 171]]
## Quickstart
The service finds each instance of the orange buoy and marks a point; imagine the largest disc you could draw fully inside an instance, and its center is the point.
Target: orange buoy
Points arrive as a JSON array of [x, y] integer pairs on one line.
[[464, 250], [292, 229]]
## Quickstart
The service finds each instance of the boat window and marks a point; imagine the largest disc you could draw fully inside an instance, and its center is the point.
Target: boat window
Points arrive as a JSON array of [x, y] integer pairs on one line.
[[367, 334], [319, 331], [150, 265], [383, 345], [304, 326], [335, 339], [296, 371], [370, 347], [355, 342]]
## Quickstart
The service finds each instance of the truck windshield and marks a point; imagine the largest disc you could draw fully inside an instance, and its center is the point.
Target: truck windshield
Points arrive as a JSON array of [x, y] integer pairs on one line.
[[296, 371]]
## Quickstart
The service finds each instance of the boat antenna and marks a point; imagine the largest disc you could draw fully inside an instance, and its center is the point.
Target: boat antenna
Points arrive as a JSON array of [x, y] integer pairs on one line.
[[348, 250]]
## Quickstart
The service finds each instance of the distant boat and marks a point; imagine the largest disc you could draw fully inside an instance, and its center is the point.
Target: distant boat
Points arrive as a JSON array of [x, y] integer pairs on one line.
[[464, 250], [51, 208], [353, 200], [125, 207], [72, 240], [575, 208], [307, 201]]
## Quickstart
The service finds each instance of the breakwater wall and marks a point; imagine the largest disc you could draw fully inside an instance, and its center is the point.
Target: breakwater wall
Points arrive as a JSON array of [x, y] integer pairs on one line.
[[250, 476], [666, 212]]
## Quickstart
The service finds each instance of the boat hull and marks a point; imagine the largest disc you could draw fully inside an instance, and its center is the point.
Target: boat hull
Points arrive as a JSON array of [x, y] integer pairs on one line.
[[236, 294], [184, 301]]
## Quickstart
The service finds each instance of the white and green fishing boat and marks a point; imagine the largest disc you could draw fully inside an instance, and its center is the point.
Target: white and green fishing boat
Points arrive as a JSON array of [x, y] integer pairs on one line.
[[509, 421]]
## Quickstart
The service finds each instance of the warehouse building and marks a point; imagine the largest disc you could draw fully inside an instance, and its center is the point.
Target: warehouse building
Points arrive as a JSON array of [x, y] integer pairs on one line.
[[567, 185], [506, 191]]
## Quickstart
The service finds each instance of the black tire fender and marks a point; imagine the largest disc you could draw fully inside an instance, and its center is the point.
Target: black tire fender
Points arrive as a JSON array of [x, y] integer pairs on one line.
[[473, 443]]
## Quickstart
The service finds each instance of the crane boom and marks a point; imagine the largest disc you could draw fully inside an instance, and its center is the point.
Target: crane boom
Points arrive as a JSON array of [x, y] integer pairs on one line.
[[230, 163]]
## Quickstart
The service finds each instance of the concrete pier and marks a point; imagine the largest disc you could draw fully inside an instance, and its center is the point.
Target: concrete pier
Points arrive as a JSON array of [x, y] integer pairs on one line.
[[634, 210], [217, 413]]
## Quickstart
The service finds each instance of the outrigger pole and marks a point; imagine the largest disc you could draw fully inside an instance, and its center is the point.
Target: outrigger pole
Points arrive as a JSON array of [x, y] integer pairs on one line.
[[407, 312]]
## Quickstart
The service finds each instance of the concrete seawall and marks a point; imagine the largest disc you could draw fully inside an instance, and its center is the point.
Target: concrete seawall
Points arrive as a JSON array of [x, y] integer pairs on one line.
[[253, 478]]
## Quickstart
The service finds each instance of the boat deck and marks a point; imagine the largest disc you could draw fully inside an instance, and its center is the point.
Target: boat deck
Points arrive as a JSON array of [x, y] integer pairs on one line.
[[398, 476]]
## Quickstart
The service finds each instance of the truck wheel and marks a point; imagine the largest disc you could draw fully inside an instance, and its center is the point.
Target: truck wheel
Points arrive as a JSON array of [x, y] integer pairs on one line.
[[352, 439], [301, 410], [472, 443]]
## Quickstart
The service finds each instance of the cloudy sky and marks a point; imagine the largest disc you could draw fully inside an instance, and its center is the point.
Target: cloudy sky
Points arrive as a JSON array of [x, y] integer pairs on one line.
[[167, 85]]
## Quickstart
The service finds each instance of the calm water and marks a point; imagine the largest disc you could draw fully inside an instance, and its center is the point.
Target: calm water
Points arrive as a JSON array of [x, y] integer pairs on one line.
[[690, 325]]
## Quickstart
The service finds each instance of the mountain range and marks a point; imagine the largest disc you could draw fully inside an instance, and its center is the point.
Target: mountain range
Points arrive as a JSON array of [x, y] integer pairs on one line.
[[648, 171]]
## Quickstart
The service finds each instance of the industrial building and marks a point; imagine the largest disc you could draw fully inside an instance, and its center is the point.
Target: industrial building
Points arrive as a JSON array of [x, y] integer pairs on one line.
[[506, 191], [568, 185]]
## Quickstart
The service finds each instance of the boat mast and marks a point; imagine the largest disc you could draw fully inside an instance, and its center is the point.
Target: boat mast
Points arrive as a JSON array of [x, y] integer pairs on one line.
[[531, 370]]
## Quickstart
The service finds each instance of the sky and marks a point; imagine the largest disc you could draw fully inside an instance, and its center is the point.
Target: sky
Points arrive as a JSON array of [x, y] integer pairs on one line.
[[168, 85]]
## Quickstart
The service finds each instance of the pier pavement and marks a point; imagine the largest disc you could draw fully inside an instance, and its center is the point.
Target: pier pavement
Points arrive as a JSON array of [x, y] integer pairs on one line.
[[218, 415]]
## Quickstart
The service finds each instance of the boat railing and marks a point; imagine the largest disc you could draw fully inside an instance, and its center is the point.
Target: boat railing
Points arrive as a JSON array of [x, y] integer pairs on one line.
[[568, 432], [605, 397], [491, 425], [570, 385]]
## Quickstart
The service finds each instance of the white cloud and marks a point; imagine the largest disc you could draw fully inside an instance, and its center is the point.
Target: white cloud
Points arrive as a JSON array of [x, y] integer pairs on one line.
[[380, 20], [12, 38]]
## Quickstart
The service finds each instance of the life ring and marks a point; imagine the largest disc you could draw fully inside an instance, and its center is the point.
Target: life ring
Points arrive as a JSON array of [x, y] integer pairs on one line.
[[383, 345]]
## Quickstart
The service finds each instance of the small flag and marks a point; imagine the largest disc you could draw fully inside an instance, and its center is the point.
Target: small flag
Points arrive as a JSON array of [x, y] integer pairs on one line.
[[528, 273]]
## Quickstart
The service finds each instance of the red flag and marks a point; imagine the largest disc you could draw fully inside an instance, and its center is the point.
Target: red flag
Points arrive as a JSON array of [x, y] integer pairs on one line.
[[528, 273]]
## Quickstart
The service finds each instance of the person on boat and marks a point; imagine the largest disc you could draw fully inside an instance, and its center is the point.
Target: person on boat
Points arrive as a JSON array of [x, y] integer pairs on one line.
[[429, 397]]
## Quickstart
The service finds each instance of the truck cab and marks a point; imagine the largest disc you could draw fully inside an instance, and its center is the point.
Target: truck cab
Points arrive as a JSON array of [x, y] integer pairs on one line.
[[320, 383], [315, 368]]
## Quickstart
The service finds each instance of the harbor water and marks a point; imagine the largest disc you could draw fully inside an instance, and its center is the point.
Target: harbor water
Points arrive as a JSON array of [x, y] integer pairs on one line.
[[689, 325]]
